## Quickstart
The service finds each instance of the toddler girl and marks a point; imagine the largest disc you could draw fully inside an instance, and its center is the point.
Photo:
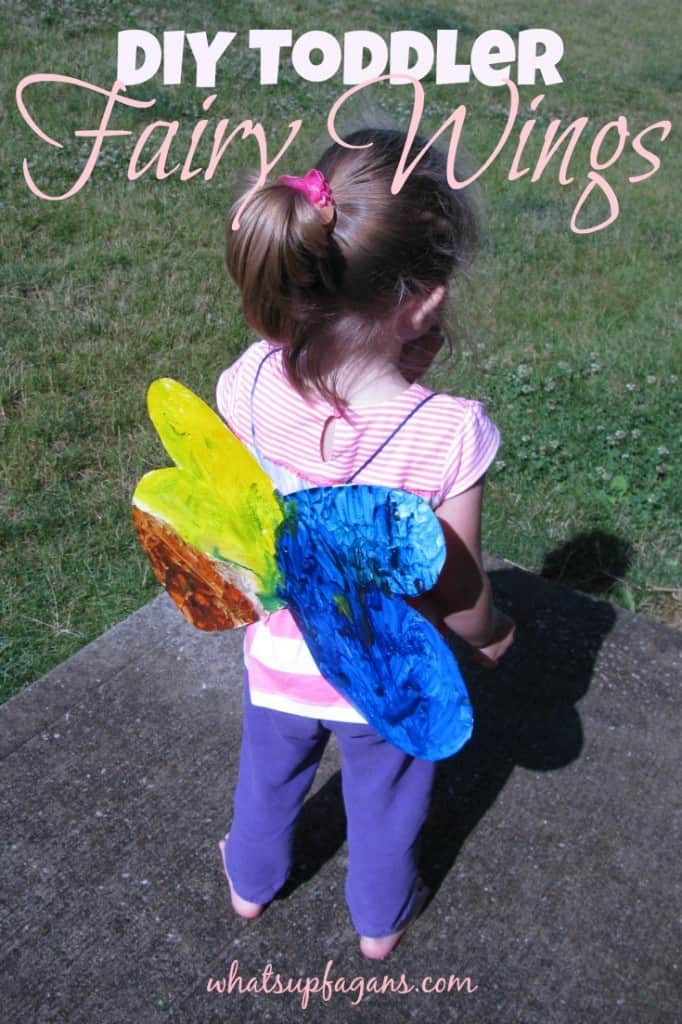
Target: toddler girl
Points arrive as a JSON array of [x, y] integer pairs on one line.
[[346, 283]]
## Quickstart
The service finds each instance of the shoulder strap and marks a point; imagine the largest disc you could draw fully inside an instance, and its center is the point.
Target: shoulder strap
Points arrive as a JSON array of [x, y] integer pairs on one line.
[[252, 402], [390, 437]]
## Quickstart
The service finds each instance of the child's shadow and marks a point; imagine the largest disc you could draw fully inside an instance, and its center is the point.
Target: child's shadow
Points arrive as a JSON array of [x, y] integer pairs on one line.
[[524, 715], [524, 711]]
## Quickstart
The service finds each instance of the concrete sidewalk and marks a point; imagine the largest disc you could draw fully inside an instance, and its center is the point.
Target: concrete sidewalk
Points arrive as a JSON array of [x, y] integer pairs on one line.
[[551, 844]]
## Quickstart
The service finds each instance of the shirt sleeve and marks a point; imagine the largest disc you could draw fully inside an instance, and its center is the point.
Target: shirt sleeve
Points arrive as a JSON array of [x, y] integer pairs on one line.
[[473, 450], [233, 390], [226, 391]]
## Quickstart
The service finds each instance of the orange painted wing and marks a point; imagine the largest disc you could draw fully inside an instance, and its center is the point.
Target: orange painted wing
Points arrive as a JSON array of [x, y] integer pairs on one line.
[[193, 580]]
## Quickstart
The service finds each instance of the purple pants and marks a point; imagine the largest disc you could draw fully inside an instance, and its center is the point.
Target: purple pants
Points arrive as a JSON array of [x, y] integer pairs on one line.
[[386, 796]]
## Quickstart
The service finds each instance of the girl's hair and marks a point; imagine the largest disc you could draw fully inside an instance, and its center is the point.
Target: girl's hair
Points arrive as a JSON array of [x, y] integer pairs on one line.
[[325, 295]]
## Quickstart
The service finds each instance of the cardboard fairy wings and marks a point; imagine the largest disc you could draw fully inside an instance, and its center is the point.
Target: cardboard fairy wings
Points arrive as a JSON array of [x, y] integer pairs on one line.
[[229, 550]]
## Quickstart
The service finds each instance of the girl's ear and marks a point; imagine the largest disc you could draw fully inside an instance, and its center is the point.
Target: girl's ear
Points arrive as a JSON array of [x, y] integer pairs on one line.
[[420, 312]]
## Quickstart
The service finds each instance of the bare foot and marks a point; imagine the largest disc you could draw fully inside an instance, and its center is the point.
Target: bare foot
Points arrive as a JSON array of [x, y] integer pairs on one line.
[[378, 949], [242, 908]]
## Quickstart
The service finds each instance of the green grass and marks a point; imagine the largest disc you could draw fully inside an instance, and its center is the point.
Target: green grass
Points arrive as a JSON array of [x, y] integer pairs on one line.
[[571, 340]]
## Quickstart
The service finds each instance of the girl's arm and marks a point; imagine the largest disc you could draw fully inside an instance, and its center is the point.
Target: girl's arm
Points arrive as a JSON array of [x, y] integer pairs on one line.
[[462, 597]]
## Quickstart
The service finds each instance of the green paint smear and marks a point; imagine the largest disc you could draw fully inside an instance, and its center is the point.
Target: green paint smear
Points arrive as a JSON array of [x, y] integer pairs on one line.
[[342, 604]]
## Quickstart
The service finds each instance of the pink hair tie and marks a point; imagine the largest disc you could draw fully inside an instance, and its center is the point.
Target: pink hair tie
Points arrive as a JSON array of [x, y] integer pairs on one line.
[[315, 188]]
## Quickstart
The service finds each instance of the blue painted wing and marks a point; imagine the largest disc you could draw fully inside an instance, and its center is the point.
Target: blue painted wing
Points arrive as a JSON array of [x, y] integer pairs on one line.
[[346, 554]]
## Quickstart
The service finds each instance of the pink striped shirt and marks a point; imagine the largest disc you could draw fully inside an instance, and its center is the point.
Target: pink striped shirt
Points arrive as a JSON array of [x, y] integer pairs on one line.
[[441, 451]]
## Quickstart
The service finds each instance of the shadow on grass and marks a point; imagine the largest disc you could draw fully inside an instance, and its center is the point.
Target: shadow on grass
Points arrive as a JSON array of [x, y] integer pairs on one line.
[[592, 562], [524, 712]]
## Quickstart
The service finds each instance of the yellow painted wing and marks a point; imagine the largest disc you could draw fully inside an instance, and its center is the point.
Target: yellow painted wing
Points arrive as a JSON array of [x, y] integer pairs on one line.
[[218, 504]]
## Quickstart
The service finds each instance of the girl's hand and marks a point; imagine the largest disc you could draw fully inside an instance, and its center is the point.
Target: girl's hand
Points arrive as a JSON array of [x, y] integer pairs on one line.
[[503, 637]]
